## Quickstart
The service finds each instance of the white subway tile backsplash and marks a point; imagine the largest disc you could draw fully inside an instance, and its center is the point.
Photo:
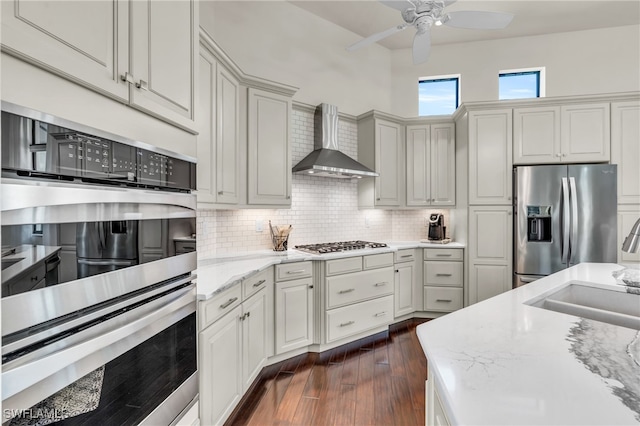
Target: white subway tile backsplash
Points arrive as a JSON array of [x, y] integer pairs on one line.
[[322, 209]]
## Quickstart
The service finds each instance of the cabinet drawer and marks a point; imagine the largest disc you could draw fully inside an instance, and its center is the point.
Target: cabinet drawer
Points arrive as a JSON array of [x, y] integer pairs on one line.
[[443, 273], [443, 254], [257, 282], [377, 260], [353, 319], [218, 305], [293, 271], [351, 288], [343, 266], [442, 299], [406, 255]]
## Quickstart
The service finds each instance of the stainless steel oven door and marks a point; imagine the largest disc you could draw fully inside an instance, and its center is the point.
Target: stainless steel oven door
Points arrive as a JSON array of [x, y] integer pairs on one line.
[[130, 360]]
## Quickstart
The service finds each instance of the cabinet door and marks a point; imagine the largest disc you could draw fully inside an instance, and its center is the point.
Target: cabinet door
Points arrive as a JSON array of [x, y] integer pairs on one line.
[[418, 165], [443, 165], [490, 158], [86, 42], [164, 44], [536, 135], [269, 171], [625, 149], [403, 300], [255, 332], [490, 251], [228, 138], [207, 127], [585, 133], [294, 314], [388, 159], [219, 363]]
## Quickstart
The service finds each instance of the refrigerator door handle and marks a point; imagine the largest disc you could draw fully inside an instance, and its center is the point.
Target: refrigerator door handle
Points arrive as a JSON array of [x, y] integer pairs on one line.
[[574, 217], [566, 224]]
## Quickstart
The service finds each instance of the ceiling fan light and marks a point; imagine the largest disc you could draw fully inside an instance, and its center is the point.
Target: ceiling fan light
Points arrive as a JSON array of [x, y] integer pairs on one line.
[[443, 19]]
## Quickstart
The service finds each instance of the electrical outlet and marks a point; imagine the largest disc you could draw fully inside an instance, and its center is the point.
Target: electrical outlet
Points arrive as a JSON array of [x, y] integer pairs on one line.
[[366, 222], [259, 226]]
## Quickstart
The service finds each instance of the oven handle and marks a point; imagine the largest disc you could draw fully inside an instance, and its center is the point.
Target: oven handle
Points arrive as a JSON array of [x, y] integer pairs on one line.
[[118, 331]]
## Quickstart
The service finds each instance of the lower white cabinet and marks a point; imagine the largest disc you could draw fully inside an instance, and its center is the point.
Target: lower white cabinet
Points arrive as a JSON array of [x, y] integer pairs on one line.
[[358, 301], [443, 278], [490, 251], [232, 352], [434, 412], [294, 314], [405, 271]]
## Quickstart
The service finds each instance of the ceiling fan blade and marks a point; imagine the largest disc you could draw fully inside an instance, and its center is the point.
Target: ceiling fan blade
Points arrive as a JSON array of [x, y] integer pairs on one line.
[[375, 37], [448, 2], [421, 46], [479, 20], [398, 4]]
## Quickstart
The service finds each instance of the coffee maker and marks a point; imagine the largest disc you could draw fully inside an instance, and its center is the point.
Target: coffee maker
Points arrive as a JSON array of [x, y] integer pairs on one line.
[[436, 227]]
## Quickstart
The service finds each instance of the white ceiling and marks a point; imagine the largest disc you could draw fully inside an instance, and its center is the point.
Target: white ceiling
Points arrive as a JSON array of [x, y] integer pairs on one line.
[[366, 17]]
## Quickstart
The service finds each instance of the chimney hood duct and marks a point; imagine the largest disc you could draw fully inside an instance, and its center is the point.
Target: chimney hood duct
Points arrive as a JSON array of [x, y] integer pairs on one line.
[[326, 160]]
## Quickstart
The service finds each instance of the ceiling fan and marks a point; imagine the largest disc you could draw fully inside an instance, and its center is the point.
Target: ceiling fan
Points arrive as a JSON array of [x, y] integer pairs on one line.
[[422, 14]]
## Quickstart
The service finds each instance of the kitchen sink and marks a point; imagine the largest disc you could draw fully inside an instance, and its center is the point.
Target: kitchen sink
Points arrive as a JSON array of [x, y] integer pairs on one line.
[[8, 262], [596, 303]]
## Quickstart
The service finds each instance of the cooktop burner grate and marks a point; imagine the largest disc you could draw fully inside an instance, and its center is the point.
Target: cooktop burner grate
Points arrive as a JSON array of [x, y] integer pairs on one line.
[[339, 246]]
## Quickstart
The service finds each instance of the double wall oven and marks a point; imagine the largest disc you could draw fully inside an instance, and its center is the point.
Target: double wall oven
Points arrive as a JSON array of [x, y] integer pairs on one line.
[[98, 306]]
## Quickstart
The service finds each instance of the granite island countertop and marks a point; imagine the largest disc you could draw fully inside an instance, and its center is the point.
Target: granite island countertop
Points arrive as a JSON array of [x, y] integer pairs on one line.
[[219, 273], [502, 362]]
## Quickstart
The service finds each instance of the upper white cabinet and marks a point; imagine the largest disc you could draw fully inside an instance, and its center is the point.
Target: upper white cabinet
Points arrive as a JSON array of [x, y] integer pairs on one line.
[[490, 157], [625, 149], [140, 53], [536, 135], [573, 133], [218, 119], [430, 161], [269, 162], [585, 133], [380, 148]]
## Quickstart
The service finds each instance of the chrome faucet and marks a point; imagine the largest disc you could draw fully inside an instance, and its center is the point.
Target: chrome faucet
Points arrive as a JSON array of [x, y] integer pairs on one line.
[[632, 241]]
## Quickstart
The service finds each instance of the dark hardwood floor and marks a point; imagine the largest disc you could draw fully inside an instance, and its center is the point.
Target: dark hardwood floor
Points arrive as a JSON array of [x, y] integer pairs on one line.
[[374, 381]]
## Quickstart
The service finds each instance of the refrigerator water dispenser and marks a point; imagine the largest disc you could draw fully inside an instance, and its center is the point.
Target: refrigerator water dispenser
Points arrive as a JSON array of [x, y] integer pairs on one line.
[[539, 223]]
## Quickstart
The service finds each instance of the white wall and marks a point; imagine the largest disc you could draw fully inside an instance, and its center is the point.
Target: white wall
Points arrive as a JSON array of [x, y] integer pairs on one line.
[[281, 42], [577, 63]]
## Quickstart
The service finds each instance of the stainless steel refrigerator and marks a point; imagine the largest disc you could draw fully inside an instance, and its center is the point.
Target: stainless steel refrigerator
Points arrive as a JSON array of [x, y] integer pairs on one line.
[[563, 215]]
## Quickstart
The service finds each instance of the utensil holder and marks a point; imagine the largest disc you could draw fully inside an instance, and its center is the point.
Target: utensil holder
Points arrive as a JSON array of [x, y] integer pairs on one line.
[[280, 242]]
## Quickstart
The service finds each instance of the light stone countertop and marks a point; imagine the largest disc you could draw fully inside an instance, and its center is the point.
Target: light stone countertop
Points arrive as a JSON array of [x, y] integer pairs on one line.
[[502, 362], [221, 272]]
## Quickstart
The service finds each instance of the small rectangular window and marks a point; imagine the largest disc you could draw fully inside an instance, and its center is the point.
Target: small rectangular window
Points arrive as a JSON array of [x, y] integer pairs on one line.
[[521, 84], [438, 95]]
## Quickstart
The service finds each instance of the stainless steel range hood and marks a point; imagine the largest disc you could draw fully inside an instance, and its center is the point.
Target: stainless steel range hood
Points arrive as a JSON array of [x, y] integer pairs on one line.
[[327, 160]]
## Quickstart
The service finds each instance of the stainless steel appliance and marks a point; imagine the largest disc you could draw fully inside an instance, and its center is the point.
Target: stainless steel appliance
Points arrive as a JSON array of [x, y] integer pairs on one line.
[[109, 335], [564, 215], [323, 248], [437, 229]]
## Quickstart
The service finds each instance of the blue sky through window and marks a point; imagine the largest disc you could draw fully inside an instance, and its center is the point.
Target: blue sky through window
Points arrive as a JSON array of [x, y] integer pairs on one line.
[[519, 85], [437, 96]]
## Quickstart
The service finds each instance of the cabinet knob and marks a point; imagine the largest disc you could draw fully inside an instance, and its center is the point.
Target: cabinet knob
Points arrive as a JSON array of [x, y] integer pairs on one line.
[[288, 197], [559, 155], [220, 192], [310, 286], [142, 85], [377, 199], [564, 155]]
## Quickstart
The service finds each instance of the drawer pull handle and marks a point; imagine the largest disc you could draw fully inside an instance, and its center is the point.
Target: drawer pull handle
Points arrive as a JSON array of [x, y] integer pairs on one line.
[[443, 275], [443, 255], [228, 303], [349, 290], [405, 256], [259, 283], [380, 284], [344, 324], [299, 271], [444, 300], [380, 314]]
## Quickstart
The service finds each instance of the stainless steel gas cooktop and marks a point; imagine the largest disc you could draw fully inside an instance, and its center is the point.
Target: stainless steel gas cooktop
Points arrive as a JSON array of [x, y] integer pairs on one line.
[[323, 248]]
